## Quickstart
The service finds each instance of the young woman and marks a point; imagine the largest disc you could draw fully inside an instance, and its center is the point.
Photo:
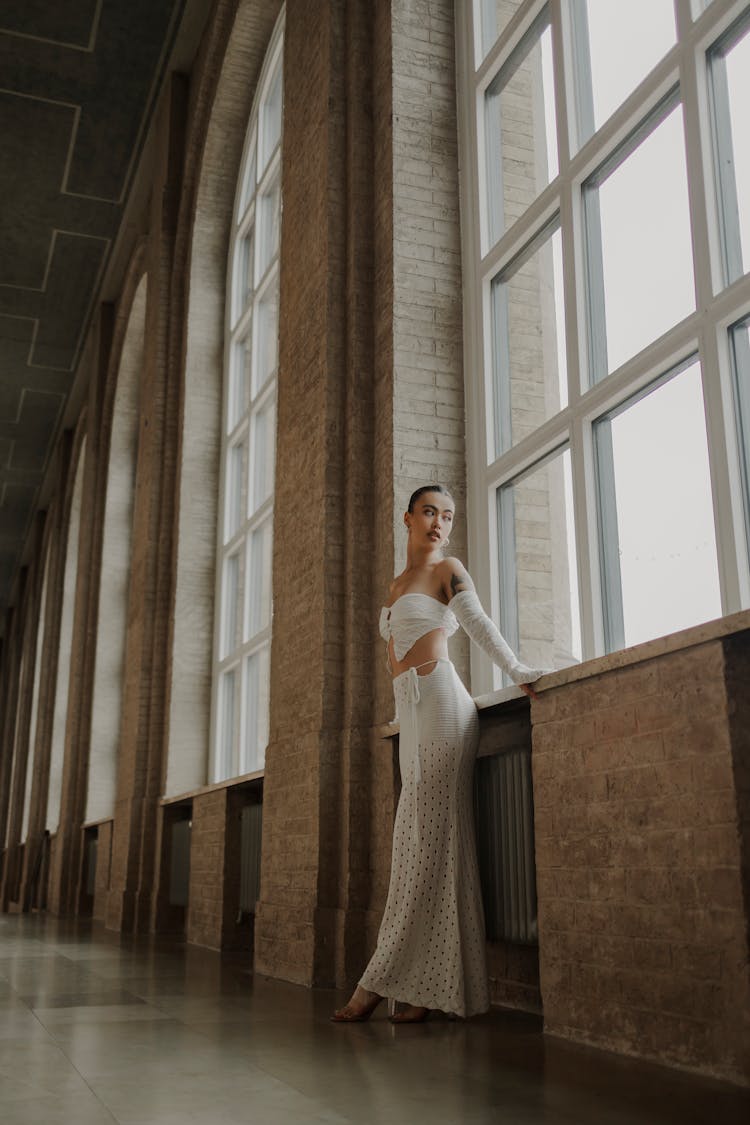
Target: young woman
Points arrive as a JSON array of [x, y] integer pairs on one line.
[[431, 946]]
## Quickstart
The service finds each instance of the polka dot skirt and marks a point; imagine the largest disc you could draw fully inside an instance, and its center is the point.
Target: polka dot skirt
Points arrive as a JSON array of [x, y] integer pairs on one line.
[[431, 947]]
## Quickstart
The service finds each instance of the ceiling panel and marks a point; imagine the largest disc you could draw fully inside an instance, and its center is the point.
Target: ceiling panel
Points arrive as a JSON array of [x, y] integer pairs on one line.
[[79, 82]]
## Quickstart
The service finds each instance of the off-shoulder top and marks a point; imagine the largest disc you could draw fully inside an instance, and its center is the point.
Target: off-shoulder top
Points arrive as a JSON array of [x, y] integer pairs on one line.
[[412, 616]]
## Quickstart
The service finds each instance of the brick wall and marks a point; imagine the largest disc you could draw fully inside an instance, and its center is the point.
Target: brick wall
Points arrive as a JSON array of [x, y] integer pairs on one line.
[[103, 861], [642, 925], [205, 909], [428, 395]]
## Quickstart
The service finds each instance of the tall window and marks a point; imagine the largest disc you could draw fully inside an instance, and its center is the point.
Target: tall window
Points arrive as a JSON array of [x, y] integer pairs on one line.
[[243, 620], [606, 243]]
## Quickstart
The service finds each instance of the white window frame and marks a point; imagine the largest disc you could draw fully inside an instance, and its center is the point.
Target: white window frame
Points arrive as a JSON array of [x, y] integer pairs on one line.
[[705, 333], [238, 419]]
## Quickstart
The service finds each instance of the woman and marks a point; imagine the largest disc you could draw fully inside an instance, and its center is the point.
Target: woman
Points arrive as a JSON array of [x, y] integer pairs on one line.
[[431, 946]]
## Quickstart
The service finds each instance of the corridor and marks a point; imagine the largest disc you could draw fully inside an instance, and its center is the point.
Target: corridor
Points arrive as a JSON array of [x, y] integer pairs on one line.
[[96, 1028]]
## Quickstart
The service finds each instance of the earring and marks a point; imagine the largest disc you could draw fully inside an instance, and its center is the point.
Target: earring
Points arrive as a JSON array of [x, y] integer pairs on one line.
[[446, 543]]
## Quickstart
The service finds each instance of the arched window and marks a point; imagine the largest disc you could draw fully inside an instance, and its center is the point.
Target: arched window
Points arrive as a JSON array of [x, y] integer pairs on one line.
[[605, 248], [242, 638], [109, 668], [60, 712]]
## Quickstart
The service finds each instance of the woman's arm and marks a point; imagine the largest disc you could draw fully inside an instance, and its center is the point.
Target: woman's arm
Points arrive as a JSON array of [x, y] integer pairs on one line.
[[459, 589]]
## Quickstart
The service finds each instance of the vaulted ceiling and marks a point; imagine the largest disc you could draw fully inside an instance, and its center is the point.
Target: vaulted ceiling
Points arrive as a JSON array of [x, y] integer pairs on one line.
[[78, 83]]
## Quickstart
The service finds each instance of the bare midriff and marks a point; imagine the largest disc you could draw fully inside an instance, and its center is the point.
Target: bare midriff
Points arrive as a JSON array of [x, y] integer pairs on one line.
[[423, 654]]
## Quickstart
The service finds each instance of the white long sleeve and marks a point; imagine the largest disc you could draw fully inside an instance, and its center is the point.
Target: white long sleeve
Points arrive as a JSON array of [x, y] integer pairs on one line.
[[484, 633]]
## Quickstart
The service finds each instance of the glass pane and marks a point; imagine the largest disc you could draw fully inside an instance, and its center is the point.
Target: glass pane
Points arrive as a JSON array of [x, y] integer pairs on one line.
[[248, 179], [539, 584], [266, 335], [263, 452], [492, 17], [258, 595], [528, 324], [256, 711], [235, 477], [243, 277], [226, 717], [623, 44], [270, 116], [521, 138], [238, 382], [665, 525], [731, 101], [229, 604], [740, 337], [640, 255], [267, 225]]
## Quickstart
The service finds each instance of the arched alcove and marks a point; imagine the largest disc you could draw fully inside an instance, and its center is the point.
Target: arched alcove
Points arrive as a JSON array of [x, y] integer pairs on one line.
[[35, 701], [190, 704], [60, 711], [115, 569]]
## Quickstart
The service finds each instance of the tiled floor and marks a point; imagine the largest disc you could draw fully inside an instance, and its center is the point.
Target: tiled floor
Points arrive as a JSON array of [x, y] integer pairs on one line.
[[95, 1028]]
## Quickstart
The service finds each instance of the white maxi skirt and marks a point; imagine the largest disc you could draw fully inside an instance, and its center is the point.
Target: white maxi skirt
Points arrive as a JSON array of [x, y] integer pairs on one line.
[[431, 949]]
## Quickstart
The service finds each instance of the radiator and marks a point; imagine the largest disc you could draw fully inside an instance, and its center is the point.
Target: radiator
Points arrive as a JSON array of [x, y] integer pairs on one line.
[[504, 810], [251, 830]]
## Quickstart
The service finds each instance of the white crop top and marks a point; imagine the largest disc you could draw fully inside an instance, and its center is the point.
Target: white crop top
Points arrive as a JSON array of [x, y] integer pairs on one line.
[[412, 616]]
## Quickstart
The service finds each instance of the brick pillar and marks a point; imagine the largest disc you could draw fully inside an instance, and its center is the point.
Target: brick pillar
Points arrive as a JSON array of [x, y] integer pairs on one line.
[[11, 669], [207, 857], [643, 940], [36, 857], [145, 694], [332, 514], [21, 752], [103, 860]]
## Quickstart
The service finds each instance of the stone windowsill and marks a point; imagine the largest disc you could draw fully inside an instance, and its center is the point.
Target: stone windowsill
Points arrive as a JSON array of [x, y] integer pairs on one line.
[[622, 658], [201, 791]]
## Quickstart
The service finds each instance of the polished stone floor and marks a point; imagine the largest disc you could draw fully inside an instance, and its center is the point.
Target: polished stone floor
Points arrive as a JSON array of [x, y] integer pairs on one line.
[[96, 1029]]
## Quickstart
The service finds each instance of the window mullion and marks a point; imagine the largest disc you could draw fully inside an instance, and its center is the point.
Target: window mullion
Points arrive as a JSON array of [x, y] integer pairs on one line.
[[583, 86], [574, 292], [506, 535], [596, 322], [500, 368], [729, 212], [702, 159], [741, 378], [609, 540], [586, 538]]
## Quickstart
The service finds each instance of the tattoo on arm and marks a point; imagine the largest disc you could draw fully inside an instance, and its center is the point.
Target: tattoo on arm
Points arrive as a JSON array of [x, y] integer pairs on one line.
[[458, 583]]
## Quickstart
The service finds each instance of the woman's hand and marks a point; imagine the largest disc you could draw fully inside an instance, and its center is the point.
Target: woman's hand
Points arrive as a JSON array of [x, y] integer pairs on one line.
[[527, 689]]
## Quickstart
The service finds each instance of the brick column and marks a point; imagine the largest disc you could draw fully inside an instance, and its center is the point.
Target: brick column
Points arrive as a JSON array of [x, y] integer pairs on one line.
[[332, 512], [21, 753], [36, 864], [11, 668]]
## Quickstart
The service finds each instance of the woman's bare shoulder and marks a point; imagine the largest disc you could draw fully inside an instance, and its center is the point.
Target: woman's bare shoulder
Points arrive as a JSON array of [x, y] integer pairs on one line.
[[454, 577]]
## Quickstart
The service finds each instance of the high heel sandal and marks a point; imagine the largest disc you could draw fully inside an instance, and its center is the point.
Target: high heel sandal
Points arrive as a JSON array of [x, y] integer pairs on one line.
[[347, 1014], [416, 1015]]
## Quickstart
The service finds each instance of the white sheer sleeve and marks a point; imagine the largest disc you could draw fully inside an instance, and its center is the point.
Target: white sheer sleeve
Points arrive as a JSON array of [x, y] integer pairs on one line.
[[484, 633]]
